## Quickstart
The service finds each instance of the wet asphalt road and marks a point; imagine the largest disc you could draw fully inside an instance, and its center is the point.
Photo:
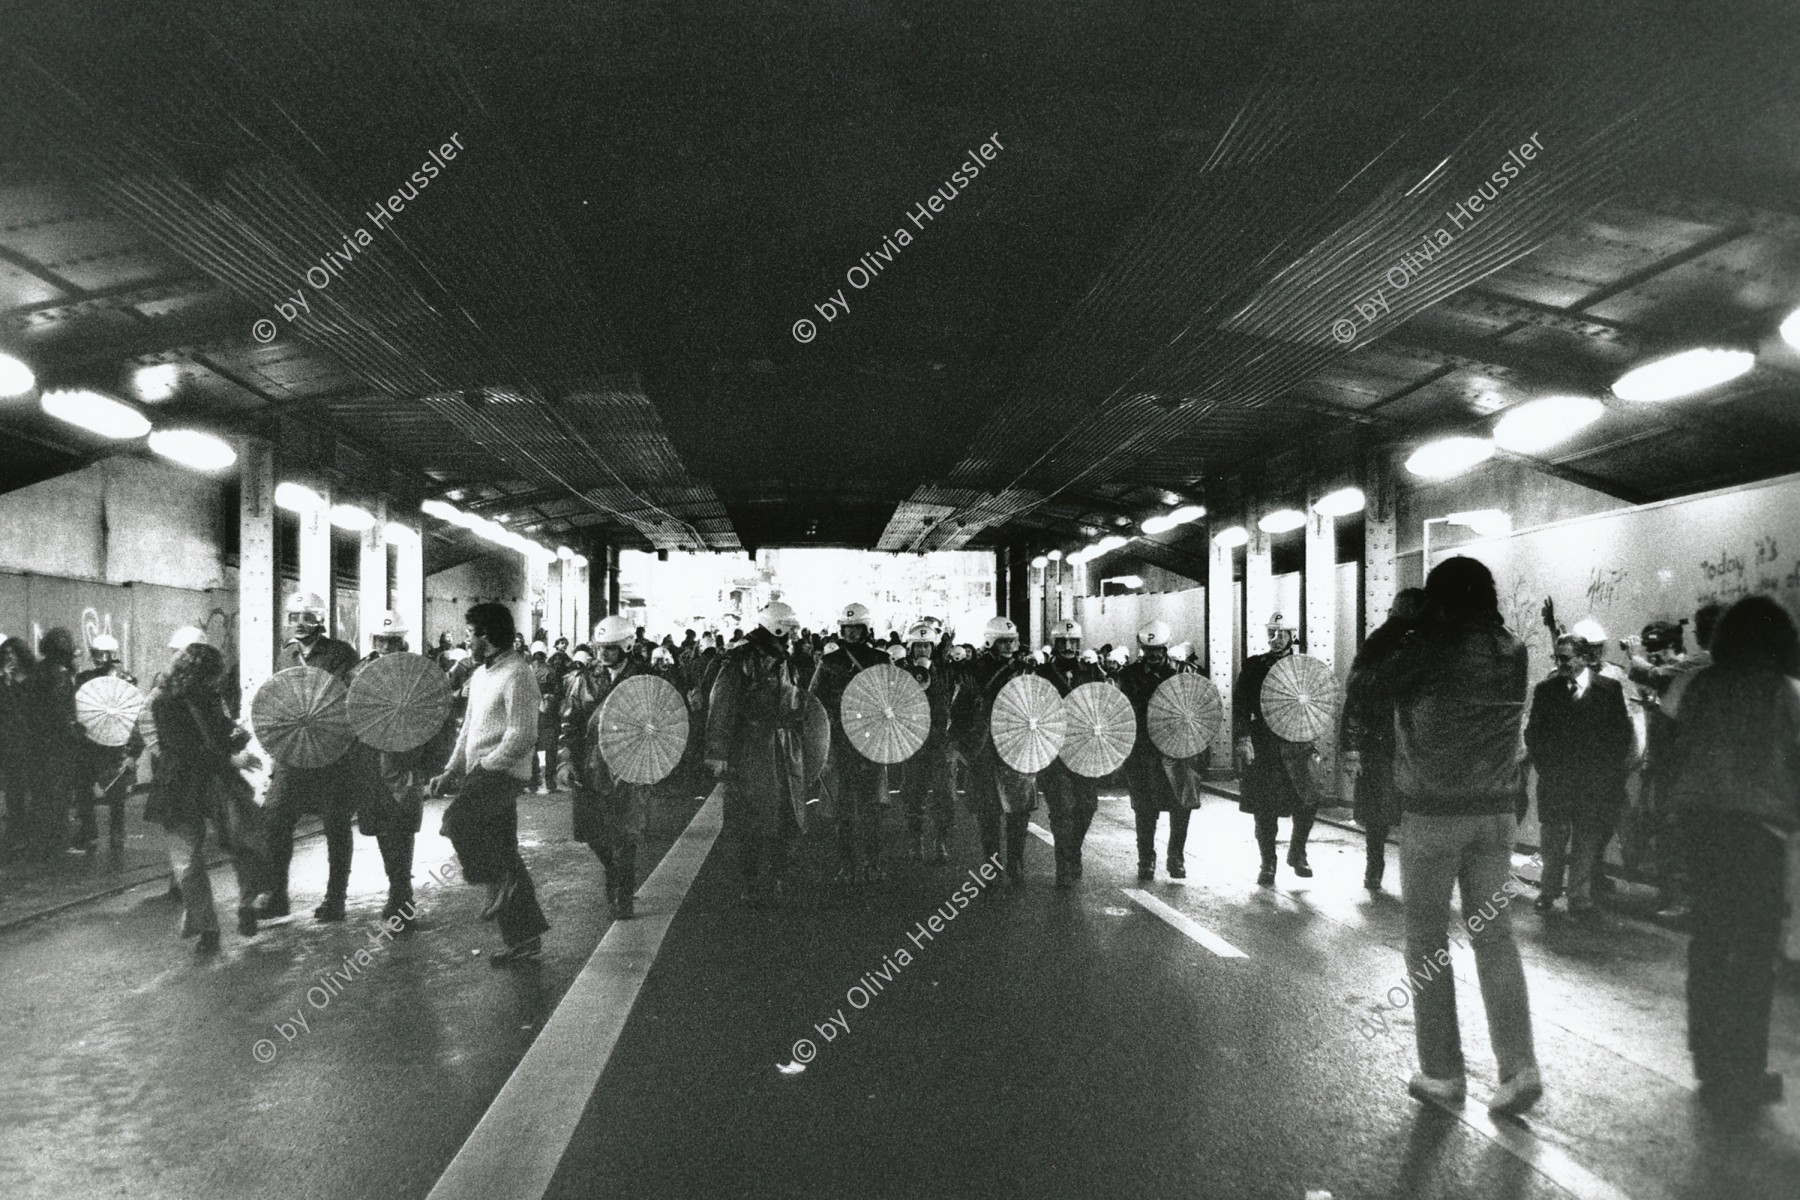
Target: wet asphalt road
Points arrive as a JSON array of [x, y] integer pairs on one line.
[[1041, 1044]]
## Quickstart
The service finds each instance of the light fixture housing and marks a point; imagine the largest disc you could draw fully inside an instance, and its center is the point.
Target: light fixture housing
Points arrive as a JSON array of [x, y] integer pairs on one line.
[[96, 412], [1232, 537], [1158, 524], [349, 516], [1448, 457], [1282, 520], [1109, 543], [193, 448], [1187, 514], [16, 379], [566, 554], [1683, 374], [1345, 502], [1041, 561], [1054, 556], [1535, 427], [581, 562], [1790, 333], [297, 497]]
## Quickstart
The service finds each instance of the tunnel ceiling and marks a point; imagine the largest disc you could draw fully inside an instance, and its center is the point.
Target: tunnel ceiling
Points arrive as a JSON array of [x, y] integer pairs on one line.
[[585, 322]]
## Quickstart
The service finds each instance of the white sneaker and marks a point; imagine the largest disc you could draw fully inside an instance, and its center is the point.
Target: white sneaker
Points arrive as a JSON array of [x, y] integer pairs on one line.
[[1443, 1091], [1517, 1094]]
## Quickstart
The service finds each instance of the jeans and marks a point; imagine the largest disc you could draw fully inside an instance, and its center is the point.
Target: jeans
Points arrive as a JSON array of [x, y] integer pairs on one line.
[[187, 862], [483, 824], [1736, 870], [1473, 854]]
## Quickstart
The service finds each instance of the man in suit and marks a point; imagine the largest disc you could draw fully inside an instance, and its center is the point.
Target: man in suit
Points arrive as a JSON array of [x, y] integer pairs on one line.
[[1581, 741]]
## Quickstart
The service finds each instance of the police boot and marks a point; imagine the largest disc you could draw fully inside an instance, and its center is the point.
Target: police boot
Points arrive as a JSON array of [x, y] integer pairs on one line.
[[1266, 877], [916, 848], [397, 857], [1297, 859]]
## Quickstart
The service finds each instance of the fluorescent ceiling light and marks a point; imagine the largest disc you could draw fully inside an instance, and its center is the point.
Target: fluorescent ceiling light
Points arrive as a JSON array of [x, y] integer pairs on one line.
[[1544, 423], [1109, 543], [193, 448], [156, 382], [96, 413], [1232, 538], [15, 377], [1790, 333], [1488, 522], [1282, 520], [393, 531], [1159, 524], [297, 497], [349, 516], [564, 553], [1682, 374], [1041, 561], [1342, 503], [1449, 456], [581, 562], [1054, 556], [1130, 581], [1188, 513]]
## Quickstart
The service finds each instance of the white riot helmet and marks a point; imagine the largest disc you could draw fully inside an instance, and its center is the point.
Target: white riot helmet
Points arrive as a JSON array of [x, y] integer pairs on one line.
[[999, 629], [1156, 633], [391, 637], [186, 636], [855, 615], [539, 648], [919, 635], [779, 619], [614, 638], [1065, 639], [897, 653], [104, 648], [660, 657], [1277, 621], [305, 614], [1090, 656]]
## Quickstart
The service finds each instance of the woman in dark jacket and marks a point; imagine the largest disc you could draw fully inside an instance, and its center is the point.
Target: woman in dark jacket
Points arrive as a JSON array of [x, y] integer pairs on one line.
[[197, 780], [1736, 793], [19, 752], [1366, 739]]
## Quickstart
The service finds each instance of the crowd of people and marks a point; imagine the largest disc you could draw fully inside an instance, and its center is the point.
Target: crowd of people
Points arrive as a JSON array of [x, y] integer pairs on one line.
[[1440, 727]]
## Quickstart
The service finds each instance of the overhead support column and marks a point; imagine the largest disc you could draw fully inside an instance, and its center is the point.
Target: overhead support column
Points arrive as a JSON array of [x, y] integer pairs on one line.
[[612, 580], [569, 586], [1381, 542], [1318, 584], [1018, 586], [580, 592], [1001, 579], [597, 552], [537, 589], [372, 579], [1218, 636], [315, 555], [1259, 583], [554, 600], [256, 564], [409, 578]]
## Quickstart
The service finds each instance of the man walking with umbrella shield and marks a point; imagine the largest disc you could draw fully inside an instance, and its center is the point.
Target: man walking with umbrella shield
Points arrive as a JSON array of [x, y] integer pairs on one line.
[[856, 783], [609, 812], [1276, 773]]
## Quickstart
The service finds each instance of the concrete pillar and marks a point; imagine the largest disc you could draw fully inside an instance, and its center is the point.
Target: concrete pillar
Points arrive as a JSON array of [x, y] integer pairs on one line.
[[1218, 638], [372, 578], [537, 589], [315, 554], [409, 578], [571, 591], [612, 580], [1318, 584], [554, 600], [597, 552], [1381, 541], [579, 588], [1018, 586], [1002, 579], [257, 638], [1259, 586]]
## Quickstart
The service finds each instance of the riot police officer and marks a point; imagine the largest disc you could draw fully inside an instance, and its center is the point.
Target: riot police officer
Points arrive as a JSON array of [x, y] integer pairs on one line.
[[1276, 774], [106, 769], [1157, 783], [393, 815], [609, 813], [1000, 797], [929, 776], [1072, 798], [857, 785]]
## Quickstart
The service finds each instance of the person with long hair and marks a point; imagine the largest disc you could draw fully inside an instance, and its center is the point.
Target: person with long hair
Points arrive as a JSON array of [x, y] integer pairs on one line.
[[197, 782], [1736, 792], [1366, 739], [19, 754], [1459, 688]]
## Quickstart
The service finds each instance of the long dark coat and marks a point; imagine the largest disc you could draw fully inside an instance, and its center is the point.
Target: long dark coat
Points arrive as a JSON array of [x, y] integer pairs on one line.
[[1279, 782], [850, 778], [1582, 749], [994, 787], [1059, 783], [608, 812], [1157, 783], [755, 724]]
